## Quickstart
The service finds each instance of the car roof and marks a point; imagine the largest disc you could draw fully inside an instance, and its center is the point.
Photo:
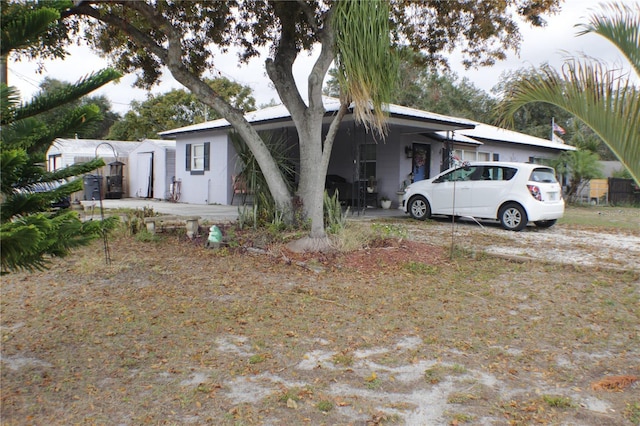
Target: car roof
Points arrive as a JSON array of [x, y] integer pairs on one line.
[[506, 163]]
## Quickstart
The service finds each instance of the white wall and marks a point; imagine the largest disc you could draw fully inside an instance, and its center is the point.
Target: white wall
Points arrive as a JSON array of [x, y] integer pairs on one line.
[[212, 187]]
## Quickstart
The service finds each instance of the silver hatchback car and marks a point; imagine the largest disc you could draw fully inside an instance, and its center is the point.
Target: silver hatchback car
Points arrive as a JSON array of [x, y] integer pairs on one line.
[[512, 193]]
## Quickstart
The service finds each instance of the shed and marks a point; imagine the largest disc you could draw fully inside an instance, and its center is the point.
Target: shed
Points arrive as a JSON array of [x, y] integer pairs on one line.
[[66, 152], [152, 167]]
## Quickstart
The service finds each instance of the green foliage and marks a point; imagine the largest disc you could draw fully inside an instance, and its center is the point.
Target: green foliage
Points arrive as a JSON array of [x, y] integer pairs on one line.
[[558, 401], [632, 413], [390, 230], [367, 67], [265, 209], [31, 232], [28, 241], [325, 406], [334, 219], [95, 129], [177, 108], [581, 166]]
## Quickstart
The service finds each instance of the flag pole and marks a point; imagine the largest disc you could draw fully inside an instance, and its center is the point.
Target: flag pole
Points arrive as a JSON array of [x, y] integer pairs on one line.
[[552, 126]]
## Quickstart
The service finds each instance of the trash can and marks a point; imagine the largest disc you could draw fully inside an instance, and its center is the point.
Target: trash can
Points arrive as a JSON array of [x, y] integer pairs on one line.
[[92, 184]]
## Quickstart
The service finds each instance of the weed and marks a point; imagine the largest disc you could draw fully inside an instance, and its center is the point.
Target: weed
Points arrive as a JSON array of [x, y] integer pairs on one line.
[[147, 237], [434, 374], [420, 268], [257, 359], [343, 359], [632, 413], [325, 406], [462, 418], [390, 230], [460, 398], [558, 401]]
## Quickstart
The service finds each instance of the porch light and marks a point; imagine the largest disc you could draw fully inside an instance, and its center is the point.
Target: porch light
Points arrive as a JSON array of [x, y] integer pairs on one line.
[[408, 151]]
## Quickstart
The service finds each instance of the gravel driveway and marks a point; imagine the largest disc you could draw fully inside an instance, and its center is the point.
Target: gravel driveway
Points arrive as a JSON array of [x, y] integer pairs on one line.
[[560, 243]]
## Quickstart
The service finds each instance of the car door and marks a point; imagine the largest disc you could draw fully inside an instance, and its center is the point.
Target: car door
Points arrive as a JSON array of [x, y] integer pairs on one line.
[[490, 184], [452, 192]]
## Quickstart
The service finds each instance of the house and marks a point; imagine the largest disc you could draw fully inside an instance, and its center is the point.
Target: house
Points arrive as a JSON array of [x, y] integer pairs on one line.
[[152, 169], [418, 145], [65, 152]]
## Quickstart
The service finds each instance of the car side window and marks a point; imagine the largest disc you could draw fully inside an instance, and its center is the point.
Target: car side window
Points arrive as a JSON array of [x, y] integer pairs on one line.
[[508, 173], [458, 175]]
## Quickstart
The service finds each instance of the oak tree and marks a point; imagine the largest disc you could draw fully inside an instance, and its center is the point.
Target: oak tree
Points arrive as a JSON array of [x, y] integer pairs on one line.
[[144, 36]]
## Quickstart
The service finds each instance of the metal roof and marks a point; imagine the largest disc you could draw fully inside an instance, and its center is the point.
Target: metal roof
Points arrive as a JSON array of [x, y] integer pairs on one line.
[[331, 105], [87, 147], [486, 132]]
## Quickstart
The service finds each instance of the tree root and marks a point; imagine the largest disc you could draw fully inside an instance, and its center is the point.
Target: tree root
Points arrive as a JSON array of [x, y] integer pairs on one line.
[[309, 244]]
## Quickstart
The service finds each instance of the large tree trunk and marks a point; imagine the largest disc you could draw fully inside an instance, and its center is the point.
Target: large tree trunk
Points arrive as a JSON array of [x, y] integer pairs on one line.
[[314, 152], [171, 55]]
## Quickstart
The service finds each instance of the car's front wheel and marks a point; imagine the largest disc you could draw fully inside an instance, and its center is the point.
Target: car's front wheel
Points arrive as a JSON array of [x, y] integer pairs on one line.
[[545, 223], [419, 208], [513, 217]]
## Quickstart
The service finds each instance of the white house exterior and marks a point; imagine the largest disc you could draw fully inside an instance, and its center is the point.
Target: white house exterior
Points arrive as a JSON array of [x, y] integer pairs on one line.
[[418, 145], [152, 169]]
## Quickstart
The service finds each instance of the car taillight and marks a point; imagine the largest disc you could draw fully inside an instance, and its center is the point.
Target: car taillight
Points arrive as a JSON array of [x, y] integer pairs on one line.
[[535, 192]]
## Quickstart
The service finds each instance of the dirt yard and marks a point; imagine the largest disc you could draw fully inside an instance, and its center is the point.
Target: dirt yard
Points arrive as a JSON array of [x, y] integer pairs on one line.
[[445, 326]]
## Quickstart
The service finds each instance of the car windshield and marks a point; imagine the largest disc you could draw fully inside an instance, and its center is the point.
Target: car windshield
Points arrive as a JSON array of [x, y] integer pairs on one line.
[[544, 175]]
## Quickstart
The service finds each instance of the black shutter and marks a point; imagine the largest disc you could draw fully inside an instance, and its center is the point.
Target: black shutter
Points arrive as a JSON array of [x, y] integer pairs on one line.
[[188, 158], [207, 149]]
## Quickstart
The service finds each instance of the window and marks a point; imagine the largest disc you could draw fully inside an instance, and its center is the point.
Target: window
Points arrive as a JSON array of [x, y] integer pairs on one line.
[[197, 158], [484, 156], [55, 162], [367, 161], [460, 174]]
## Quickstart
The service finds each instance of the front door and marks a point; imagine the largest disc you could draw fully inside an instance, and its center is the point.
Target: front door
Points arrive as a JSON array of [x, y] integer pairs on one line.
[[421, 161]]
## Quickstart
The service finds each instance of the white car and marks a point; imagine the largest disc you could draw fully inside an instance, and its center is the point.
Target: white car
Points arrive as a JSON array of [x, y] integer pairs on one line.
[[513, 193]]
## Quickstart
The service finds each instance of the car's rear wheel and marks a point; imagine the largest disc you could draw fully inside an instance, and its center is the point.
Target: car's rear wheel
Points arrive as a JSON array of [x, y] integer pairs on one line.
[[545, 223], [513, 217], [419, 208]]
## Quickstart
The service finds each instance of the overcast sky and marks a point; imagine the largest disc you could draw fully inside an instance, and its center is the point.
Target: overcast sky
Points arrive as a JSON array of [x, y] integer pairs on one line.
[[549, 44]]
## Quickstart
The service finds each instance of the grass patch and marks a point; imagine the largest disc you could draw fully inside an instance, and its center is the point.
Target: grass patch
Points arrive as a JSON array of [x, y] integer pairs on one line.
[[176, 329], [632, 413], [325, 406], [558, 401]]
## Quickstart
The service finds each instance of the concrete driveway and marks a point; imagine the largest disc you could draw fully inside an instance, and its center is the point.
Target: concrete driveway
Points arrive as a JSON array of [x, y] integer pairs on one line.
[[211, 212]]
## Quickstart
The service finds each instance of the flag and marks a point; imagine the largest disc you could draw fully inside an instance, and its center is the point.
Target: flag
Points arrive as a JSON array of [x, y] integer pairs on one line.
[[557, 139], [558, 129]]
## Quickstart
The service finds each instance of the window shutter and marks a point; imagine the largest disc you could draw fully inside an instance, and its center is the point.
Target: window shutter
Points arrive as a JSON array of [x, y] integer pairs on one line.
[[207, 149], [188, 158]]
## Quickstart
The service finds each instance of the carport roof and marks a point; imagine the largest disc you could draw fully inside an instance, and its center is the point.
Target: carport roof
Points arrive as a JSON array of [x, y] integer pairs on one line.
[[398, 115], [485, 132]]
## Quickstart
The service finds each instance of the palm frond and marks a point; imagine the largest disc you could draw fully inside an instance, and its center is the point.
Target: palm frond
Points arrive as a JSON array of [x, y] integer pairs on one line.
[[604, 100], [367, 66], [620, 24], [46, 101], [22, 30]]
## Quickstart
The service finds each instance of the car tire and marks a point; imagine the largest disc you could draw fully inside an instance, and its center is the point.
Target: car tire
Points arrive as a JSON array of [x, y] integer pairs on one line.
[[419, 208], [513, 217], [545, 223]]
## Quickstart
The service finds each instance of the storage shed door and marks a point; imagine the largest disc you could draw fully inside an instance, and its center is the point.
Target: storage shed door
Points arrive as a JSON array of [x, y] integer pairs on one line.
[[144, 174]]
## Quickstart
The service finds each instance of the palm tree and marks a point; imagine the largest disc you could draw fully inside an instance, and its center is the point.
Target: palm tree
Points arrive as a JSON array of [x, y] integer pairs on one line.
[[605, 100]]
